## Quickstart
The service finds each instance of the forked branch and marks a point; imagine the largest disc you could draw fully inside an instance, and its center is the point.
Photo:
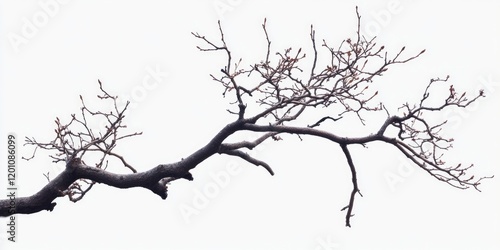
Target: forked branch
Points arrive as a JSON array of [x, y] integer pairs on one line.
[[281, 93]]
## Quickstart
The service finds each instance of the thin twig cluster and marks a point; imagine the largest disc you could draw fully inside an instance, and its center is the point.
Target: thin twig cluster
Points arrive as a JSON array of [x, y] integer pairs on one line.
[[284, 94], [76, 138]]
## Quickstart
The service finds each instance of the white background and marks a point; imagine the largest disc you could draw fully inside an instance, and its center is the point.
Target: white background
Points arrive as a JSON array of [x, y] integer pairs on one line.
[[74, 43]]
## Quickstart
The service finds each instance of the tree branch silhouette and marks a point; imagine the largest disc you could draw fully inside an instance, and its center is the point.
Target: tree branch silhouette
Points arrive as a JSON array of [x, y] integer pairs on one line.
[[282, 86]]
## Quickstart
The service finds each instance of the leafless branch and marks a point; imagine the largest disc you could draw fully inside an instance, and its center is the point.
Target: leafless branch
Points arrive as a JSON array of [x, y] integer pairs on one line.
[[75, 138], [355, 188], [282, 93]]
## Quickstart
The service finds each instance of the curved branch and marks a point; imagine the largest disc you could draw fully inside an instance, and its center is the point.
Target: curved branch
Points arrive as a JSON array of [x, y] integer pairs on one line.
[[248, 158], [355, 188], [154, 179], [247, 144], [311, 131]]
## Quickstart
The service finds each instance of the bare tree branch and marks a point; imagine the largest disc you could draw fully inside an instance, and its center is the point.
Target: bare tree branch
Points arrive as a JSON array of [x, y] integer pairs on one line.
[[355, 188], [248, 158], [282, 93]]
